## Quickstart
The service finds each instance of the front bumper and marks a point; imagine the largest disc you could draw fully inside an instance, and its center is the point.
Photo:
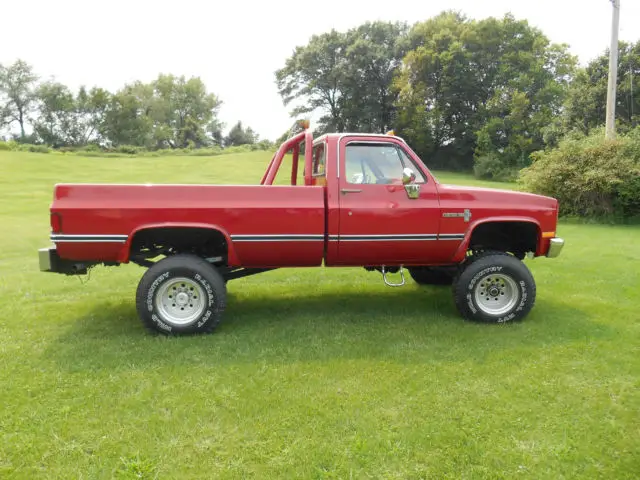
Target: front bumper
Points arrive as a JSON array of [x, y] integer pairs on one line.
[[555, 247], [50, 261]]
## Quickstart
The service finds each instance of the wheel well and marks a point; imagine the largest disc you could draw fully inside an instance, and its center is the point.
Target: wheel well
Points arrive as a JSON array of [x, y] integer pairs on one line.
[[514, 237], [204, 242]]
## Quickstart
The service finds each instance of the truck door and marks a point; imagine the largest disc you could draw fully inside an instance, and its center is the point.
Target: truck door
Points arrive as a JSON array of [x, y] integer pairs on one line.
[[379, 223]]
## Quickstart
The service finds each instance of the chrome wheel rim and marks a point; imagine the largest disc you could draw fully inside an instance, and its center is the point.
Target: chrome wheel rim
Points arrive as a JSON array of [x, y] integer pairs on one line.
[[180, 301], [496, 294]]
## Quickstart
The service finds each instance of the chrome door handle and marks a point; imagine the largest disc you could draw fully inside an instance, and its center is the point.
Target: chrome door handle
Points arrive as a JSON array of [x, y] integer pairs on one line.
[[344, 191]]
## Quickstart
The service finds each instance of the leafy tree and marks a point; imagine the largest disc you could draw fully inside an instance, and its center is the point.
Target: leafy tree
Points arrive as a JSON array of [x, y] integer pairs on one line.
[[214, 132], [67, 120], [168, 112], [585, 107], [17, 85], [91, 110], [347, 76], [184, 111], [438, 97], [240, 136], [485, 87], [374, 54], [315, 74], [127, 118], [56, 107]]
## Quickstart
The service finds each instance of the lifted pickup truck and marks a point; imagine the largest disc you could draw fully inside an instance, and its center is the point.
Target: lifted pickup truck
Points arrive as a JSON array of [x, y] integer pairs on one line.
[[366, 200]]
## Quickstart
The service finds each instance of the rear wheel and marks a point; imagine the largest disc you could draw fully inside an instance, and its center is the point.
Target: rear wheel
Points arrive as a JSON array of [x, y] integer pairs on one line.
[[496, 289], [181, 294]]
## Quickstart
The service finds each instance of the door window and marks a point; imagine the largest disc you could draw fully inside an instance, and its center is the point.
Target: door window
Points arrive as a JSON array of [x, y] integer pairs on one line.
[[377, 163]]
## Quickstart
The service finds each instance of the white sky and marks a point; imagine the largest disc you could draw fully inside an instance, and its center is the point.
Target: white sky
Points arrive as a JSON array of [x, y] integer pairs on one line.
[[236, 46]]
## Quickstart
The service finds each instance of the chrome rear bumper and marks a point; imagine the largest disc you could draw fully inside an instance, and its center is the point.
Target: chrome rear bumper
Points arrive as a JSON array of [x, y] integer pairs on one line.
[[50, 261], [555, 247], [45, 260]]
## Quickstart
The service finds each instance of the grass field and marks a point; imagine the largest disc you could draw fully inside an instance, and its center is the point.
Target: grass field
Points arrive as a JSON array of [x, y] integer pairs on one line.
[[314, 373]]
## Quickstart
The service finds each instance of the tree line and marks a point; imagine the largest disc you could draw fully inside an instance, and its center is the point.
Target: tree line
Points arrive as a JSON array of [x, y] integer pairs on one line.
[[479, 95], [467, 94], [169, 112]]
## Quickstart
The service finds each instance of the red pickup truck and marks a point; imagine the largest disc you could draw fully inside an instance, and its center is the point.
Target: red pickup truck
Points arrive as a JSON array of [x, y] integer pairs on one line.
[[366, 200]]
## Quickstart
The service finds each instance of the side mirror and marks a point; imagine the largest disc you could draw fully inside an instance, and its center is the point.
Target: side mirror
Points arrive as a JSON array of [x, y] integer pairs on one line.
[[408, 176], [412, 189]]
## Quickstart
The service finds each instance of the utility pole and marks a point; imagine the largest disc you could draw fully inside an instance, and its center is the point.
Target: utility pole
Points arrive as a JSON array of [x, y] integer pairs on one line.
[[613, 72]]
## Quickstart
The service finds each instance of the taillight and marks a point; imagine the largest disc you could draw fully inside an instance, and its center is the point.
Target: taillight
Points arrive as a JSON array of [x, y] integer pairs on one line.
[[56, 223]]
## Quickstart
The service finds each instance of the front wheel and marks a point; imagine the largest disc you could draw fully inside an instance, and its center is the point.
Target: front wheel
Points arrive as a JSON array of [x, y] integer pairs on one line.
[[181, 294], [495, 289]]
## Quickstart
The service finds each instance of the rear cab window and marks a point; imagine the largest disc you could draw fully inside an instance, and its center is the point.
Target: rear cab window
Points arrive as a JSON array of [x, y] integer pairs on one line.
[[318, 167]]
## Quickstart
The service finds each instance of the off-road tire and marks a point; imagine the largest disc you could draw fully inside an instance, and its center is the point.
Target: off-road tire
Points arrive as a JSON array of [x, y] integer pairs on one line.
[[469, 260], [499, 277], [432, 275], [200, 277]]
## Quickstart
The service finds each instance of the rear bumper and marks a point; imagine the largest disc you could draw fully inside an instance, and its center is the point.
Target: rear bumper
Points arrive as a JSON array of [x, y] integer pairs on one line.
[[555, 247], [44, 257], [50, 261]]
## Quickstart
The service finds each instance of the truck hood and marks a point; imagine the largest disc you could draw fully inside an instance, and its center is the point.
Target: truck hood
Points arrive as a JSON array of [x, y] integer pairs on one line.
[[498, 197]]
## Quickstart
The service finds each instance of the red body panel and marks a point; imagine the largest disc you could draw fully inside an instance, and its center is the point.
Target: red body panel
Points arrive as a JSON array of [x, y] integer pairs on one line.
[[489, 205], [383, 211], [233, 210], [303, 225]]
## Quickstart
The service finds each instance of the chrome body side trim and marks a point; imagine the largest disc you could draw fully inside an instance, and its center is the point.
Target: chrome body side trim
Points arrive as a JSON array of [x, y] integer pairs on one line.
[[278, 238], [89, 238]]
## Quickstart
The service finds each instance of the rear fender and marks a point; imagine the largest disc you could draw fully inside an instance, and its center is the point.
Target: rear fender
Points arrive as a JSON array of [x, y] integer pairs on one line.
[[232, 257]]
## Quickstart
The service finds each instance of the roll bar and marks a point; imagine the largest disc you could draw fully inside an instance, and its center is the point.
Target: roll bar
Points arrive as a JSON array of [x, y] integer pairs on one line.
[[292, 144]]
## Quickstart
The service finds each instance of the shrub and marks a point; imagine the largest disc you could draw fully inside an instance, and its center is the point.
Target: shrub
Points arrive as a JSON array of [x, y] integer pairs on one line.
[[35, 148], [93, 150], [67, 149], [96, 154], [206, 152], [491, 167], [129, 149], [92, 147], [590, 176]]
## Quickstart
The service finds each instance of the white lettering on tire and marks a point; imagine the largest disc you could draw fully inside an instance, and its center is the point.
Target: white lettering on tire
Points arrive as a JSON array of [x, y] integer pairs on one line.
[[207, 287], [204, 319], [482, 274], [160, 323], [523, 300], [470, 304], [152, 290], [506, 318]]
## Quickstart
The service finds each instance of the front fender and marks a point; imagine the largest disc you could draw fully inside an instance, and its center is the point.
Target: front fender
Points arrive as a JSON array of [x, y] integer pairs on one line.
[[461, 253]]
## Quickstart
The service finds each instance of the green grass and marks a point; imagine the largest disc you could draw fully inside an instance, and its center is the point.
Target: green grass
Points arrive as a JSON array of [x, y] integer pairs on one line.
[[314, 373]]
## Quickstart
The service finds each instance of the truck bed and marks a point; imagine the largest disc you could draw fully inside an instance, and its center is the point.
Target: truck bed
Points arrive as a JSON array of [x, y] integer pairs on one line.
[[265, 225]]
